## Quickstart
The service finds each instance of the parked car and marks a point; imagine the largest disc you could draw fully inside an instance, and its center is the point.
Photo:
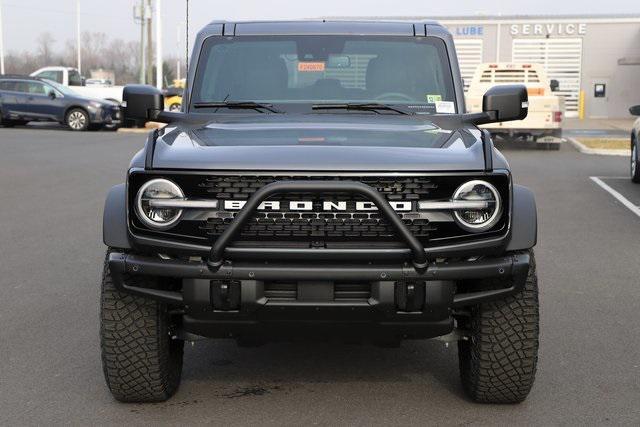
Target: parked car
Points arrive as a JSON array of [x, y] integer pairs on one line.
[[635, 151], [322, 180], [24, 99], [68, 76], [546, 110]]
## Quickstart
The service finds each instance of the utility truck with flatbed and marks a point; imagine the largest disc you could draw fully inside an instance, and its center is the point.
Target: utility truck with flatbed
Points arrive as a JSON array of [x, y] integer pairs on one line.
[[543, 124], [322, 181]]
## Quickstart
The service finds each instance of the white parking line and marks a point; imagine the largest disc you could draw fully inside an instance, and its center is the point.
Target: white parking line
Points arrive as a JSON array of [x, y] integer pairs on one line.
[[619, 197]]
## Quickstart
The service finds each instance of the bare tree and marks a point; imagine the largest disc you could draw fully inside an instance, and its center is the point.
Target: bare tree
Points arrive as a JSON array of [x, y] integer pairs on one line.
[[98, 51], [45, 47]]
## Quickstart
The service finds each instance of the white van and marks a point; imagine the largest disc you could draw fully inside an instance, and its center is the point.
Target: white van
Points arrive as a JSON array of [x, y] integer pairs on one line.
[[546, 110]]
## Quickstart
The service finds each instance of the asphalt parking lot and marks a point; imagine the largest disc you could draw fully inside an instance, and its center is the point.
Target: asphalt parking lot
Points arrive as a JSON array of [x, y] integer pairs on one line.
[[52, 188]]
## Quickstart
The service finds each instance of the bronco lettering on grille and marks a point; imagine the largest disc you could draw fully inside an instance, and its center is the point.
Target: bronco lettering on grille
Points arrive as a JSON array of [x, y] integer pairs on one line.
[[305, 205]]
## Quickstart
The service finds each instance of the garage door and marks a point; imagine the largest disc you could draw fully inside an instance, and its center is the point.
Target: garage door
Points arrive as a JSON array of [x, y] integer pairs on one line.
[[469, 57], [561, 58]]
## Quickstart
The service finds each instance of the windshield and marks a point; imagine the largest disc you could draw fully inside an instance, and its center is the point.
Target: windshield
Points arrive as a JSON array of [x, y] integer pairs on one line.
[[292, 70], [60, 88]]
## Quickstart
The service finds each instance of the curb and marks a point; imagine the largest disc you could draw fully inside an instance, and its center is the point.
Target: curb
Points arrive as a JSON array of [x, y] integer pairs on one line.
[[149, 127], [597, 151], [134, 130]]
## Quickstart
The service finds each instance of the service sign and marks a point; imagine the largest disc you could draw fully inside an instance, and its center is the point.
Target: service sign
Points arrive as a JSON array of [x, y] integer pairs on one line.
[[548, 29]]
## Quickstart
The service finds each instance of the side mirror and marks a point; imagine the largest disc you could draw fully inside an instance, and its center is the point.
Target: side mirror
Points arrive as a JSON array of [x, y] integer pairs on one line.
[[52, 94], [141, 103], [506, 103], [635, 110], [555, 85]]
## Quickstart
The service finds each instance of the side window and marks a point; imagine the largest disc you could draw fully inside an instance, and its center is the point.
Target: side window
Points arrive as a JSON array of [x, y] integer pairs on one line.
[[21, 87], [55, 76], [8, 85], [36, 88], [75, 79]]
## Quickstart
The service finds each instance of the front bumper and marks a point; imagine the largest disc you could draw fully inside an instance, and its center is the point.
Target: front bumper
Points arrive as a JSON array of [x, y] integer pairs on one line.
[[106, 116], [204, 295], [275, 292]]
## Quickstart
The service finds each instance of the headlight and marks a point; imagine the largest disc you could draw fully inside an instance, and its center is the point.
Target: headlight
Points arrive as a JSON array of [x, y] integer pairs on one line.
[[478, 220], [158, 217]]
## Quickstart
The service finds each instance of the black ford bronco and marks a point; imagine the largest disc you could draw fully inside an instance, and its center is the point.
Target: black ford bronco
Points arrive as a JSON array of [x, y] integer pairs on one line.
[[323, 181]]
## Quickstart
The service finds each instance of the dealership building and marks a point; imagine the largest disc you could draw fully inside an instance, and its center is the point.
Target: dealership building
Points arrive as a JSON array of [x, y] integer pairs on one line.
[[596, 59]]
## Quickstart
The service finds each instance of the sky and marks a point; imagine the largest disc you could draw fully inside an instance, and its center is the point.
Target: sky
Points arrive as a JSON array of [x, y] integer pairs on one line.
[[25, 20]]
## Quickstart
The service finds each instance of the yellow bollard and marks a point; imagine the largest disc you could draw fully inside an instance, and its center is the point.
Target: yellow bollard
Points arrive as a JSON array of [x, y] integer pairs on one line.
[[581, 106]]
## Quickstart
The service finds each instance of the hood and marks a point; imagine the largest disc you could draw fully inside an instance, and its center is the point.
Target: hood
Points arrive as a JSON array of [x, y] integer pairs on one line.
[[103, 102], [322, 142]]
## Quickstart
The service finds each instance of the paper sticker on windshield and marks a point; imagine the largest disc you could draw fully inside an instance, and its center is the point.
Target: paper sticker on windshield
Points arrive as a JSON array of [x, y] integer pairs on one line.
[[311, 67], [432, 99], [445, 107]]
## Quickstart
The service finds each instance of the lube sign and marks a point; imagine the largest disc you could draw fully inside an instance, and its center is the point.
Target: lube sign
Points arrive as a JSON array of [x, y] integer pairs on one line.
[[554, 29], [471, 30]]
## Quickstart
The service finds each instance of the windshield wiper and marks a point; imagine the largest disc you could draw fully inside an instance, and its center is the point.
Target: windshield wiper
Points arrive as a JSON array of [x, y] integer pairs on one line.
[[239, 105], [371, 106]]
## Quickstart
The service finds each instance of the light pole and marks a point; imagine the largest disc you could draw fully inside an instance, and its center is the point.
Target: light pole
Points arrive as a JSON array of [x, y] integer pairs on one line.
[[159, 82], [78, 36], [1, 42], [149, 15], [179, 50], [140, 16]]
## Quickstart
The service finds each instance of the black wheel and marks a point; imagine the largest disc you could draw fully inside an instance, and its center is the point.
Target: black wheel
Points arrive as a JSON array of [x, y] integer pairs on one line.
[[78, 120], [635, 170], [498, 361], [140, 360]]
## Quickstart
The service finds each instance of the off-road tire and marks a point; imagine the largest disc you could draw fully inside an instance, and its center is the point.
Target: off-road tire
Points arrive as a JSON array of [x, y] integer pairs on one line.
[[140, 360], [498, 361]]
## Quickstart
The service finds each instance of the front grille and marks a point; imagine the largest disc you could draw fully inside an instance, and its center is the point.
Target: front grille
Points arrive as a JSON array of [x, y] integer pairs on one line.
[[318, 224], [393, 188], [317, 227]]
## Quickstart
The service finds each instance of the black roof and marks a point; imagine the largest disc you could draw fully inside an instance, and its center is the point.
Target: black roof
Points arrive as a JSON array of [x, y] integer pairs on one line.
[[319, 27]]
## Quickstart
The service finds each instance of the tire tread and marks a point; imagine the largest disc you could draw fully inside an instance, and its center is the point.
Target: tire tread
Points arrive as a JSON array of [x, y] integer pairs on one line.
[[141, 362], [498, 363]]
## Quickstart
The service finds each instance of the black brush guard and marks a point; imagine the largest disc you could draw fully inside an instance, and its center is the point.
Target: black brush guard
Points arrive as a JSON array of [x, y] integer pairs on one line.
[[216, 257], [511, 268]]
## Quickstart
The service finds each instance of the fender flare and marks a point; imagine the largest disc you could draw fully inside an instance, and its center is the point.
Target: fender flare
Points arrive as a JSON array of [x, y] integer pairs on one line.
[[115, 232], [524, 222]]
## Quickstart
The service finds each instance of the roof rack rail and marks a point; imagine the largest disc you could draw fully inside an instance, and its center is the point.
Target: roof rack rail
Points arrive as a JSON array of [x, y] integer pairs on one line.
[[18, 76]]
